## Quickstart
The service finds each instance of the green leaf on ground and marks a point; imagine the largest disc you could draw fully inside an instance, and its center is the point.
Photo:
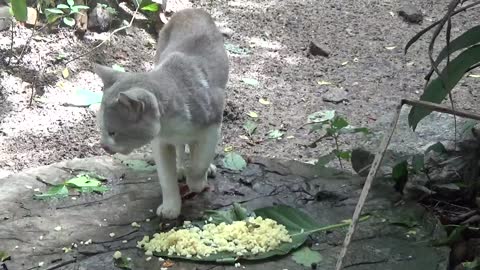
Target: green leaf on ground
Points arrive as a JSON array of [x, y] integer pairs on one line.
[[234, 162], [4, 256], [437, 90], [63, 6], [84, 98], [306, 257], [275, 134], [118, 68], [139, 165], [250, 81], [57, 191], [321, 116], [250, 127], [236, 213], [19, 9], [65, 73], [236, 49], [122, 263], [86, 184]]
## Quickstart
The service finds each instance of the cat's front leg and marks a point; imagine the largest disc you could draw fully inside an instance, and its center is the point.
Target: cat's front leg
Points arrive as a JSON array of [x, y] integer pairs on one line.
[[164, 155]]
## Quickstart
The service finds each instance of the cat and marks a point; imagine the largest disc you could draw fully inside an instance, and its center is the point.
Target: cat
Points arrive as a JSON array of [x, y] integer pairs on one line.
[[177, 104]]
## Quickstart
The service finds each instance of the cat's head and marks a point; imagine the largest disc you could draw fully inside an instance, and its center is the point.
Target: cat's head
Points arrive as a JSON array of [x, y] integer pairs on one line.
[[129, 116]]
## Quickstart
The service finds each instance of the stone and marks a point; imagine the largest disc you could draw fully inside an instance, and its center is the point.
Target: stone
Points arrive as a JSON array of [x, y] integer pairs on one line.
[[226, 32], [100, 18], [335, 95], [5, 18], [130, 197], [315, 49], [411, 14], [32, 16]]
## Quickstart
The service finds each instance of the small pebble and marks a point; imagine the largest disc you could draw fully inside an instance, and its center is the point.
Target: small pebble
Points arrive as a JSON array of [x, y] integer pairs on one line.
[[16, 247], [74, 198], [129, 259], [112, 234], [58, 228], [160, 259], [148, 259], [40, 264], [88, 242], [37, 190], [150, 210], [147, 220], [41, 237], [29, 187], [124, 241]]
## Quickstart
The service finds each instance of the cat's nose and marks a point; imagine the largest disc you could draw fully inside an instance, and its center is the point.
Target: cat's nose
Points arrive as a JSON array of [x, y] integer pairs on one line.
[[107, 149]]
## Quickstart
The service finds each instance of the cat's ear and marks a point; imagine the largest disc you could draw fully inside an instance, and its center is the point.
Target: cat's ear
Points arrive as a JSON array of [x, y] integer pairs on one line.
[[108, 75], [131, 103]]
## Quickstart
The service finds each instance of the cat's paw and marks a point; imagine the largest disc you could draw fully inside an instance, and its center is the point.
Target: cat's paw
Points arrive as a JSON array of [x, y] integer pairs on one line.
[[197, 186], [212, 171], [169, 211]]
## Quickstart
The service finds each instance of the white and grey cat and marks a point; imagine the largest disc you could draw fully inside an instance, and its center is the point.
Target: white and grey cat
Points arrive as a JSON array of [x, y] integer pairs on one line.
[[178, 103]]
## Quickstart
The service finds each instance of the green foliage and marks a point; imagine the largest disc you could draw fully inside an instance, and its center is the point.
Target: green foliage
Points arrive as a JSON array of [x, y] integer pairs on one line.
[[275, 134], [404, 168], [234, 162], [64, 12], [466, 45], [19, 10], [332, 126], [83, 183], [4, 256], [122, 263], [306, 257]]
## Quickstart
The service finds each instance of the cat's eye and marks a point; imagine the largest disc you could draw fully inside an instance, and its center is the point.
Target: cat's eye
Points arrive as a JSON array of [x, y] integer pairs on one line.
[[111, 134]]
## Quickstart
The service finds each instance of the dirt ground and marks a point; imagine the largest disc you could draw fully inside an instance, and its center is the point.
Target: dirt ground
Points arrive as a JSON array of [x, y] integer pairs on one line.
[[359, 35]]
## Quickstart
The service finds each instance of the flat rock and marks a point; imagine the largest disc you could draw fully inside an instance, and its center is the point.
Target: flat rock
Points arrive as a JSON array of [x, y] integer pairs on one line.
[[335, 95], [28, 234], [411, 13]]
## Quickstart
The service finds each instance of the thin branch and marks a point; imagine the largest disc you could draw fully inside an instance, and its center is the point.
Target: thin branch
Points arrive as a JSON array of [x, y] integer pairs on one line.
[[11, 42], [107, 39], [19, 59], [366, 187], [378, 159]]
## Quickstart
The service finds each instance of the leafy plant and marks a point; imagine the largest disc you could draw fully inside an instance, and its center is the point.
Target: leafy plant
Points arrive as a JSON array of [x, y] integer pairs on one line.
[[413, 165], [64, 11], [332, 126], [19, 10], [468, 47]]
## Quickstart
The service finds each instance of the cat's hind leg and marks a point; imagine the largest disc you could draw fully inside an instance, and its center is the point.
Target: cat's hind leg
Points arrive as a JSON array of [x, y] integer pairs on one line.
[[202, 153]]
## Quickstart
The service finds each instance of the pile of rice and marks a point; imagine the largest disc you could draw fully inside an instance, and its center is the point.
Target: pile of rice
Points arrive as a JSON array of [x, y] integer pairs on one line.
[[252, 236]]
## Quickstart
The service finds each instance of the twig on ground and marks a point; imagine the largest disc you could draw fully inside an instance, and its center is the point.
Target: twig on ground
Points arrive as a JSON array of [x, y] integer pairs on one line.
[[12, 31], [378, 159], [107, 39]]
